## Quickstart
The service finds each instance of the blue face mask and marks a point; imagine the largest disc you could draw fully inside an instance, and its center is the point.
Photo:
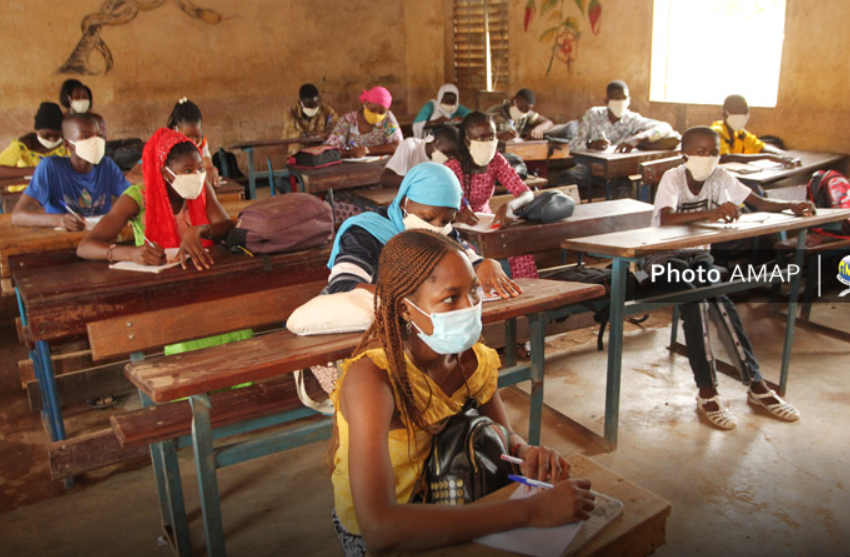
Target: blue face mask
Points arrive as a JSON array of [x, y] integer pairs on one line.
[[454, 331]]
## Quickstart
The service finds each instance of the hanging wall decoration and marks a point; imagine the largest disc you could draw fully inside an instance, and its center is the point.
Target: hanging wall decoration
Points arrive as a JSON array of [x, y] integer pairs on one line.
[[563, 31]]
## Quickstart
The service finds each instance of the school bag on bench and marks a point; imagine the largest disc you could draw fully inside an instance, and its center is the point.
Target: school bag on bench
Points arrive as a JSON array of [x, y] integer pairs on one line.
[[290, 222], [831, 189], [317, 157]]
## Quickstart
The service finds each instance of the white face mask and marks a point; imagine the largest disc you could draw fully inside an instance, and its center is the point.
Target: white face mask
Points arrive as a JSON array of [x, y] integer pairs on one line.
[[482, 152], [516, 114], [309, 112], [80, 107], [448, 108], [188, 186], [91, 149], [701, 167], [412, 222], [438, 156], [47, 144], [618, 108], [737, 121]]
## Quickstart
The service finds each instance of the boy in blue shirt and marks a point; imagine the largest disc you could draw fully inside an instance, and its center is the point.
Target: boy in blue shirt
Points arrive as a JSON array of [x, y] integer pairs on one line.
[[71, 189]]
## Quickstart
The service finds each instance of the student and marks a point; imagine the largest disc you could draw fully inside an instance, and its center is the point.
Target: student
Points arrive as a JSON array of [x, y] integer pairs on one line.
[[81, 185], [309, 118], [414, 377], [76, 97], [698, 191], [24, 153], [438, 148], [175, 207], [445, 109], [429, 197], [477, 167], [613, 124], [739, 145], [515, 118], [185, 118], [372, 130]]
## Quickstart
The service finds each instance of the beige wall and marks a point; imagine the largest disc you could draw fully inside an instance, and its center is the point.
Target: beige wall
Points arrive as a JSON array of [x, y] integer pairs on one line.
[[811, 113]]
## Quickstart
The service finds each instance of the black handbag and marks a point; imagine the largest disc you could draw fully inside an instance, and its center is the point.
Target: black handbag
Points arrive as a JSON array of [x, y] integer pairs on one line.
[[465, 463]]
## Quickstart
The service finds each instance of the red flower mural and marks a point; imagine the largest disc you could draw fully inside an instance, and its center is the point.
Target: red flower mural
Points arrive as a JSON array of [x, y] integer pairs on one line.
[[594, 12], [565, 31]]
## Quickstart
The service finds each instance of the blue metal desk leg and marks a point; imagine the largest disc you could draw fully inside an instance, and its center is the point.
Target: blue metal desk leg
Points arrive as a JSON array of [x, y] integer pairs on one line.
[[537, 333], [799, 254], [47, 387], [202, 444], [510, 343], [252, 175], [615, 351]]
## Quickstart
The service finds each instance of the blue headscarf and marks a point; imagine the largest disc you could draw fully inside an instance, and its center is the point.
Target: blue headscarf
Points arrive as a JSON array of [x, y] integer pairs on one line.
[[427, 183]]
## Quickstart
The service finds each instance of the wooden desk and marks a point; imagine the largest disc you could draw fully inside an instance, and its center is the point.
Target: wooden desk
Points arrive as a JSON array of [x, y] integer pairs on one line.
[[198, 373], [345, 175], [810, 162], [529, 237], [639, 531], [59, 294], [538, 149], [609, 165], [626, 247], [249, 146]]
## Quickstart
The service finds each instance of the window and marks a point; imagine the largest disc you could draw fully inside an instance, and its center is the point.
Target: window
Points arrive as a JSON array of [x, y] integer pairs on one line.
[[480, 44], [704, 51]]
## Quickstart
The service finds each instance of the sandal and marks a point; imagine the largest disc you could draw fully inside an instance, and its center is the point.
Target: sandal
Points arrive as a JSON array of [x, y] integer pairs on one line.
[[780, 409], [102, 402], [721, 417]]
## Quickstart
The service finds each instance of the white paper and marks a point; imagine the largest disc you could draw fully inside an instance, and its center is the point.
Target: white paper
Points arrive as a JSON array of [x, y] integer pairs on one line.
[[767, 164], [91, 221], [538, 542], [170, 258], [740, 168], [748, 219], [362, 159], [485, 223]]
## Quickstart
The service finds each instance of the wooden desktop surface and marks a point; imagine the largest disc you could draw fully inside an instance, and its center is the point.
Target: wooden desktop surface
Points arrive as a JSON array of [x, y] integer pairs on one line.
[[810, 161], [641, 242], [538, 149], [588, 218], [639, 531], [262, 357], [344, 175], [244, 145], [610, 165]]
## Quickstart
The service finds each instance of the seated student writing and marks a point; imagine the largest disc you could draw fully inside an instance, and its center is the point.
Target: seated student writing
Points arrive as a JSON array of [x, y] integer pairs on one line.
[[515, 118], [71, 189], [445, 109], [698, 191], [24, 153], [309, 118], [437, 148], [77, 98], [174, 208], [739, 145], [415, 374], [429, 197], [185, 118], [372, 130]]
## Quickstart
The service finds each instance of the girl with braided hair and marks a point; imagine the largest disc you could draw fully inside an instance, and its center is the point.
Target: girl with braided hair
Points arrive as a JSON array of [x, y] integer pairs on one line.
[[186, 118], [478, 166], [414, 376]]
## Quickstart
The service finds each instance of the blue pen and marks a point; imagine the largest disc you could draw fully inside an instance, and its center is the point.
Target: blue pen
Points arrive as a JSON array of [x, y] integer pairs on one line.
[[529, 482], [73, 212]]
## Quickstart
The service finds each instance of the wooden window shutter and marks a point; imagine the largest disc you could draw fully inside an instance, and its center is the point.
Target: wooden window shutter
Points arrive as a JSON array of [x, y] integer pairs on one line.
[[480, 26]]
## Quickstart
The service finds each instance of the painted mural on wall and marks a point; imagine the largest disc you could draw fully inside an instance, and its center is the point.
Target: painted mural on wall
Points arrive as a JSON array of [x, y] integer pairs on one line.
[[119, 12], [563, 30]]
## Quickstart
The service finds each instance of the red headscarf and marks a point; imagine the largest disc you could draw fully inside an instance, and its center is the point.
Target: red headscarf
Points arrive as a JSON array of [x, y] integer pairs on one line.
[[160, 223], [377, 95]]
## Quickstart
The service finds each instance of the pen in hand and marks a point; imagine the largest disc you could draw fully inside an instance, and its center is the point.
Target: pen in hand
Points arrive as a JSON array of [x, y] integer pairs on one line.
[[71, 211]]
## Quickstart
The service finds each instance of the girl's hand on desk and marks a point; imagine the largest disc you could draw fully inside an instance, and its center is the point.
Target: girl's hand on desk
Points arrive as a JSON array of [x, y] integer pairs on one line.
[[544, 464], [467, 216], [803, 208], [567, 502], [355, 152], [492, 277], [502, 220], [148, 255], [190, 246]]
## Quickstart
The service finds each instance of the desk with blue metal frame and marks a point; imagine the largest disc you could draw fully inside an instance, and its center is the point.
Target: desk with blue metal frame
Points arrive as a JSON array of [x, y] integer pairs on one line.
[[248, 148], [624, 248], [610, 165]]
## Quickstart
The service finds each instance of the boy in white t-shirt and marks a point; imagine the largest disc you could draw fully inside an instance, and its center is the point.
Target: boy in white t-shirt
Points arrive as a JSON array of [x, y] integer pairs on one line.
[[699, 191], [439, 148]]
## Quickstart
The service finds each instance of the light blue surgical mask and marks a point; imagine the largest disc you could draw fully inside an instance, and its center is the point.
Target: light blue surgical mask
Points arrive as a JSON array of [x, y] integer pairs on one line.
[[454, 331]]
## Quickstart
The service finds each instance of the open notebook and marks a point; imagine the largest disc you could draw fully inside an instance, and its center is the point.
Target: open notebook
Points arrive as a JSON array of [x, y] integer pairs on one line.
[[562, 541], [749, 219], [170, 258]]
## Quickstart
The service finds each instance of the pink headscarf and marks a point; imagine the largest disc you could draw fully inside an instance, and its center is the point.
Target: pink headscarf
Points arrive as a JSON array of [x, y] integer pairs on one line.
[[377, 95]]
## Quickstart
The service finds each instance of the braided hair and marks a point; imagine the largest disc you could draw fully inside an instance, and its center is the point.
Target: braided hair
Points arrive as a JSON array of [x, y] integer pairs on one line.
[[463, 156], [184, 112]]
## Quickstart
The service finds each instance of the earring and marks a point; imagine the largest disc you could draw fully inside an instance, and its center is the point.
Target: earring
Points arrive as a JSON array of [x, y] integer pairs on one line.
[[408, 328]]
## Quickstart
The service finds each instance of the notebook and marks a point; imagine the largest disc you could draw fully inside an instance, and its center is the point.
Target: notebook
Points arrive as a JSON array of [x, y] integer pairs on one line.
[[170, 258]]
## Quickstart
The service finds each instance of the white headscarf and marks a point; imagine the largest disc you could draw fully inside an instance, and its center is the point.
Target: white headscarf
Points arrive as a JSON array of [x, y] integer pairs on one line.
[[438, 111]]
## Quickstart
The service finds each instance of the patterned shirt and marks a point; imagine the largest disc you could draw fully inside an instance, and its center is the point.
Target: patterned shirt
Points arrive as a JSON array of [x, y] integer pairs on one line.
[[479, 188], [295, 124], [740, 142], [347, 134], [501, 115], [17, 154], [596, 122]]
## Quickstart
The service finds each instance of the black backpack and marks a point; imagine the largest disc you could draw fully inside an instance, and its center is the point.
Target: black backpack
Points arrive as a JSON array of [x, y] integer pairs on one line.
[[549, 206], [225, 162], [126, 153]]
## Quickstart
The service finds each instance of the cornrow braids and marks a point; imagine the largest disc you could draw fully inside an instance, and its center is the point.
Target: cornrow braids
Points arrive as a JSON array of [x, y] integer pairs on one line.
[[406, 262], [184, 112], [463, 156]]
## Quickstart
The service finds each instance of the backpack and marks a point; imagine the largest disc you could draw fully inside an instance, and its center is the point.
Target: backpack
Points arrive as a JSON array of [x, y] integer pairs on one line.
[[830, 189], [126, 153], [317, 157], [289, 222], [549, 206], [225, 163]]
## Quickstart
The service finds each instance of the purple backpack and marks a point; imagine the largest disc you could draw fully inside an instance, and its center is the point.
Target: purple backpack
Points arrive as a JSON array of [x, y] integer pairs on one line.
[[290, 222]]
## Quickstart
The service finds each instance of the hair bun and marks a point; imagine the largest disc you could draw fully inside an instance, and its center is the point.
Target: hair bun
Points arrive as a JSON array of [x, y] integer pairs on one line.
[[182, 100]]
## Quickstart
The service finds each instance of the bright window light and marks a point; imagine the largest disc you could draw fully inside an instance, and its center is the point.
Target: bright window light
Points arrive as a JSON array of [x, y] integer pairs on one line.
[[705, 50]]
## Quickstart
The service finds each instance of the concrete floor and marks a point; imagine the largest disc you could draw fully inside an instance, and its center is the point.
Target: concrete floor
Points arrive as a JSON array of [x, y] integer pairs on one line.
[[768, 488]]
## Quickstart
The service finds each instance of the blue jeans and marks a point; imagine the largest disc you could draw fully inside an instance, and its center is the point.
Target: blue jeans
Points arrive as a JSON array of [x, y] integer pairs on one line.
[[695, 316]]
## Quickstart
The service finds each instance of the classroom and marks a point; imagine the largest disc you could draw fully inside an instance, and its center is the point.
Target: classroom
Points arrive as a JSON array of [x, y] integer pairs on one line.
[[215, 409]]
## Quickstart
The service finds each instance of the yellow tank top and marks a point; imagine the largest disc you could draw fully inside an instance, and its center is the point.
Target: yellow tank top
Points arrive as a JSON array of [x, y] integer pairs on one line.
[[408, 454]]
